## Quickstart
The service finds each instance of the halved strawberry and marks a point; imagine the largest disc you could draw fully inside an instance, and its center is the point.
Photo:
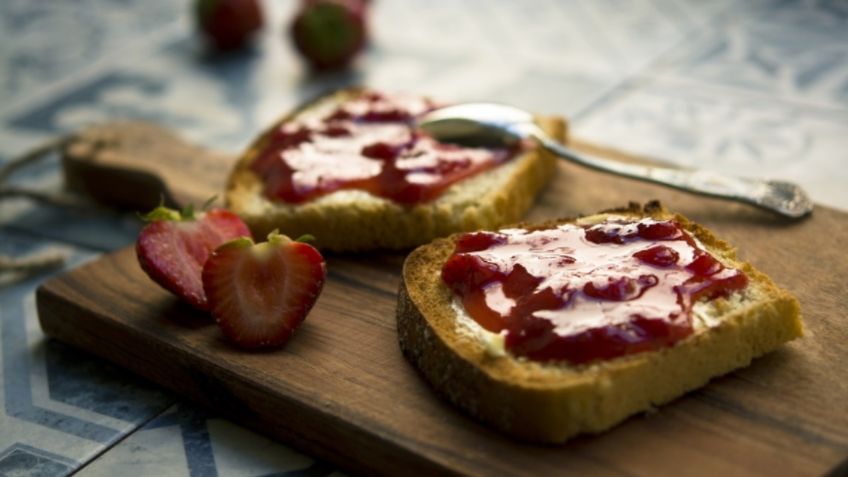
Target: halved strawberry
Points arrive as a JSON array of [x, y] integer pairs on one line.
[[259, 293], [173, 247]]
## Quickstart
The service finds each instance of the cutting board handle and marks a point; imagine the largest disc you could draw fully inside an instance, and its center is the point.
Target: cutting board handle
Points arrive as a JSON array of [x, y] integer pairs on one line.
[[135, 165]]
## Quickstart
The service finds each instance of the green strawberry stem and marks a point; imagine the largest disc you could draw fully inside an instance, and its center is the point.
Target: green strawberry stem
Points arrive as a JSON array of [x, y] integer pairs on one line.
[[161, 213], [306, 238], [275, 238], [209, 202], [187, 212], [165, 213], [239, 242]]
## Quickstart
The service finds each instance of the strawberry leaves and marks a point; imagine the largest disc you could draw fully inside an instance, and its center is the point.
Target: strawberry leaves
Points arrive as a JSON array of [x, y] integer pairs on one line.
[[173, 247]]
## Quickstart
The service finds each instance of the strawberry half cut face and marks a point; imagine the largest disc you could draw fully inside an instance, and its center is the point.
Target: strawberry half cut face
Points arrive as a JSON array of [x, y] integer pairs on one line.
[[174, 246], [259, 293]]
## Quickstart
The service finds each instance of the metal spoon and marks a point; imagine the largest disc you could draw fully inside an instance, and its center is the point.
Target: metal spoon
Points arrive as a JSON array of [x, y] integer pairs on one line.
[[491, 124]]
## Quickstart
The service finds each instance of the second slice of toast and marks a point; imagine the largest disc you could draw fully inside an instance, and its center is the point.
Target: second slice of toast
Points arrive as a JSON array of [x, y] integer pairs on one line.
[[354, 220]]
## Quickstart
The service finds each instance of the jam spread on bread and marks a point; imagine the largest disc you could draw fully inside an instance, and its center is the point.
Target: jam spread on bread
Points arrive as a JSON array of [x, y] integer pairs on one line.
[[367, 143], [580, 293]]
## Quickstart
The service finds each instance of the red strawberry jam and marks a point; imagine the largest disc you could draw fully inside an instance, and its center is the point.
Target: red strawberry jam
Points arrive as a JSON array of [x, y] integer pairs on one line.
[[368, 143], [584, 293]]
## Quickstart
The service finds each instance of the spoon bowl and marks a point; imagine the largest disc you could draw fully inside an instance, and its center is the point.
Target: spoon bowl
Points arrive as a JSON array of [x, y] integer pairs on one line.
[[483, 124]]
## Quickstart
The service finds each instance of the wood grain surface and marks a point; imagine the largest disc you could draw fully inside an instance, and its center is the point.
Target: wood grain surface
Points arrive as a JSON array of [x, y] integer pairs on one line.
[[341, 389], [136, 165]]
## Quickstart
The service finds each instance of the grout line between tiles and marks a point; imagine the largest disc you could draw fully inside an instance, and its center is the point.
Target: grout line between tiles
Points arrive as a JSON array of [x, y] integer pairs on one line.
[[642, 75], [97, 455], [653, 70], [730, 89]]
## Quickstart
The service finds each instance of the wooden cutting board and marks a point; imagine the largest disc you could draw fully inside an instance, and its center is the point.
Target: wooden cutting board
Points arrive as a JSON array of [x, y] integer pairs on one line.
[[342, 390]]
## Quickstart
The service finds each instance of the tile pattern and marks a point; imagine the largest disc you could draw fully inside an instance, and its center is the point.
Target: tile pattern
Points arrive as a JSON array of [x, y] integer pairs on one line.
[[21, 459], [744, 87], [754, 94], [61, 407], [723, 130], [45, 41], [792, 50], [185, 441]]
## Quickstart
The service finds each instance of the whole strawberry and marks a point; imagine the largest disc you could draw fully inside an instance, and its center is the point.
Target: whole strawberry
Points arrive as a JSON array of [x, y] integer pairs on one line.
[[173, 247], [329, 33], [228, 24], [259, 293]]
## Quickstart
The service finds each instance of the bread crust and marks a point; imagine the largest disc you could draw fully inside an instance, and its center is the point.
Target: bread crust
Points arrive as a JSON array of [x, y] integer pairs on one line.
[[356, 221], [551, 403]]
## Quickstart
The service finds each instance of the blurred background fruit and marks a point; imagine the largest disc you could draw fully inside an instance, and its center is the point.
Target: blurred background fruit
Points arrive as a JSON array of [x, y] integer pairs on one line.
[[329, 33], [228, 24]]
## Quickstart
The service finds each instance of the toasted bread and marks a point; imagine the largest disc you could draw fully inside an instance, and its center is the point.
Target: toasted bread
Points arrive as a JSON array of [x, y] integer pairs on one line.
[[354, 220], [553, 401]]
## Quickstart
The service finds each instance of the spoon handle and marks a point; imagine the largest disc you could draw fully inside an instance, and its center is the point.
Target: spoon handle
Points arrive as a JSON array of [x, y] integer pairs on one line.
[[784, 198]]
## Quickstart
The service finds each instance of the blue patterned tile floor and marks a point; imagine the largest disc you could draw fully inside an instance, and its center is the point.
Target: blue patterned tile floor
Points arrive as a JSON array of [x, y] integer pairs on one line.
[[185, 441], [701, 125], [745, 87], [61, 407]]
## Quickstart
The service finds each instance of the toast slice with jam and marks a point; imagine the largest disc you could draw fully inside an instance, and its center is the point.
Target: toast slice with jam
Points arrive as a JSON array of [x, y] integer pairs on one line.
[[567, 327], [351, 169]]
